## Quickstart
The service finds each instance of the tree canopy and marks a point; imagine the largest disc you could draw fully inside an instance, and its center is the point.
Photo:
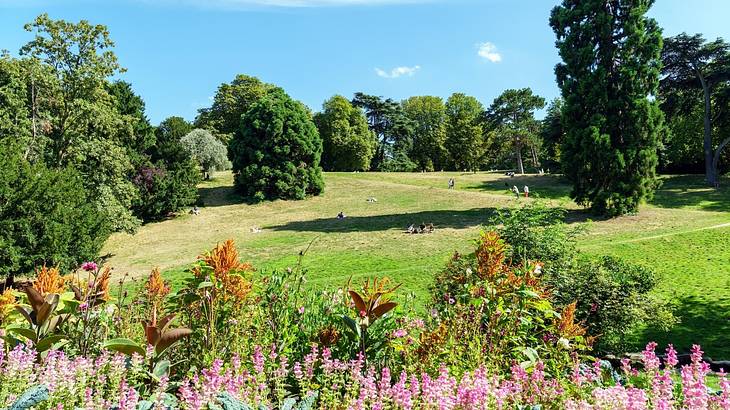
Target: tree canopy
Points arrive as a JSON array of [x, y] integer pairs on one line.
[[277, 152], [464, 132], [208, 151], [611, 64], [428, 116], [348, 144]]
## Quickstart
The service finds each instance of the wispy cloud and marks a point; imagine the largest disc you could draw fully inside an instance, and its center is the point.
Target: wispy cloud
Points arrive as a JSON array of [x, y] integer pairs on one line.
[[398, 71], [237, 4], [489, 51]]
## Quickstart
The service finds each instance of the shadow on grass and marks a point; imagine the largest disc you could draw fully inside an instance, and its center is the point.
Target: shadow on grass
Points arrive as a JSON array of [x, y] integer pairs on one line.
[[219, 196], [703, 322], [543, 186], [441, 219], [680, 191]]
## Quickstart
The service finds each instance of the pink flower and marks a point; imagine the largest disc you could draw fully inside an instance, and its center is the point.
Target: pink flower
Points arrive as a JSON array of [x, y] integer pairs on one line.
[[89, 266], [400, 333], [301, 310]]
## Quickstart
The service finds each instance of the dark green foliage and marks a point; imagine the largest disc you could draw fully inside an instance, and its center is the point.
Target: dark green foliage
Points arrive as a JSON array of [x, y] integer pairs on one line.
[[428, 114], [230, 103], [393, 129], [613, 297], [45, 216], [15, 121], [348, 144], [694, 75], [512, 115], [276, 154], [611, 65], [464, 139], [165, 190], [552, 133]]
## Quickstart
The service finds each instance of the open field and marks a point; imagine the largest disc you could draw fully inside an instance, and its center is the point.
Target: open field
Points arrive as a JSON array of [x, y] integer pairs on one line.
[[684, 234]]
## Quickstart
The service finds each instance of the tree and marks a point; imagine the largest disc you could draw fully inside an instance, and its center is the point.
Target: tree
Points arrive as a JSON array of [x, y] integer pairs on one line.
[[610, 70], [691, 63], [277, 152], [552, 131], [348, 144], [513, 114], [392, 128], [172, 129], [208, 151], [45, 217], [230, 103], [428, 114], [464, 141], [81, 126]]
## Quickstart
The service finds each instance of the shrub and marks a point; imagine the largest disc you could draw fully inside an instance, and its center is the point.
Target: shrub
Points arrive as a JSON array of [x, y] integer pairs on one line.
[[613, 296], [276, 154], [46, 217], [207, 150], [164, 190]]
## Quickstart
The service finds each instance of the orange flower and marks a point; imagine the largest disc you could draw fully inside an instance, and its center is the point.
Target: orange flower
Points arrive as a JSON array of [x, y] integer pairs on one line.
[[567, 326], [7, 304], [49, 280], [490, 255], [102, 283], [224, 258], [156, 287], [236, 287]]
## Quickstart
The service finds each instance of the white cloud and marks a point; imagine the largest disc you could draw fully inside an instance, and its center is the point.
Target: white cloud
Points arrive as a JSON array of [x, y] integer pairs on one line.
[[488, 51], [398, 71]]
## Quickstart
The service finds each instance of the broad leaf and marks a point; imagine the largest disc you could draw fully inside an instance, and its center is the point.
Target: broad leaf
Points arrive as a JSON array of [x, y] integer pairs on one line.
[[125, 346]]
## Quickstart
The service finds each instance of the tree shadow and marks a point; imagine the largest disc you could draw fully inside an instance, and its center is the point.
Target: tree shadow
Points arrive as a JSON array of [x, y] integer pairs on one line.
[[455, 219], [218, 196], [679, 191], [541, 186], [701, 322]]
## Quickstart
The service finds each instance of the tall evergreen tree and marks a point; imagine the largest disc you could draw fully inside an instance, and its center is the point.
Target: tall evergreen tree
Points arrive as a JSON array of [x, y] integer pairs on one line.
[[277, 152], [464, 139], [611, 64]]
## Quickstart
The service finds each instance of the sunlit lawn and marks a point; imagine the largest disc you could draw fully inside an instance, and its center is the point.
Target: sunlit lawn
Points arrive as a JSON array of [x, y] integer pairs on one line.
[[682, 234]]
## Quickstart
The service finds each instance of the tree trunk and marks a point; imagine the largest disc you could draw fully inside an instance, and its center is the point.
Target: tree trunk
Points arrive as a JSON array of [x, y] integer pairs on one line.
[[709, 171], [518, 152], [716, 160]]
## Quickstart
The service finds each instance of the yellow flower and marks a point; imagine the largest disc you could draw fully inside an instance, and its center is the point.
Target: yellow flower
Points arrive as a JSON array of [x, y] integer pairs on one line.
[[7, 304]]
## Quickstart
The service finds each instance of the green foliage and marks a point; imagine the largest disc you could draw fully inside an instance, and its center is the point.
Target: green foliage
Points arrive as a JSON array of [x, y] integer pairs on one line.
[[512, 114], [614, 298], [611, 66], [348, 144], [552, 132], [277, 152], [45, 216], [428, 114], [209, 152], [393, 129], [15, 119], [230, 103], [163, 191], [464, 141]]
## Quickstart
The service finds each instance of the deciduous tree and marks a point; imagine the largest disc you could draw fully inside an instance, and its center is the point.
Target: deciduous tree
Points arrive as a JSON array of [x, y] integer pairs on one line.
[[464, 132], [348, 144], [428, 115]]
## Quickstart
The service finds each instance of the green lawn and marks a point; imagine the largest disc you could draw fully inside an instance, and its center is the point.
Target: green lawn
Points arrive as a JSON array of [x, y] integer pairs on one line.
[[683, 234]]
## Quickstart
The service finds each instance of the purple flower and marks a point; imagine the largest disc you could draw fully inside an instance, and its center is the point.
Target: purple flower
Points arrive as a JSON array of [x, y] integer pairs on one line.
[[89, 266], [400, 333]]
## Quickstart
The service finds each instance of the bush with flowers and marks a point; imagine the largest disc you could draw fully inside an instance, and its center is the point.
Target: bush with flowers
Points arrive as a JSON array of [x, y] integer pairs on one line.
[[236, 338]]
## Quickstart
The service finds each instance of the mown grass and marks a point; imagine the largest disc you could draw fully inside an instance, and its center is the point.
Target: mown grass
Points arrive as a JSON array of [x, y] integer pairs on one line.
[[683, 234]]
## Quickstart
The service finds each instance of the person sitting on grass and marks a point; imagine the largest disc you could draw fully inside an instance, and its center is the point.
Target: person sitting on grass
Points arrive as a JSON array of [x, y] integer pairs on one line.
[[341, 215], [410, 229], [195, 210]]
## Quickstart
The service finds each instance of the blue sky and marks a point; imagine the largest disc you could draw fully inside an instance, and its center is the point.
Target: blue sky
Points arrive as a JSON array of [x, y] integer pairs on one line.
[[178, 51]]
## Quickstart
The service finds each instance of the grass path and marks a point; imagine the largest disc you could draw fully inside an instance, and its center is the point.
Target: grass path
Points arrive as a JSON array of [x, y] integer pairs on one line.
[[683, 234]]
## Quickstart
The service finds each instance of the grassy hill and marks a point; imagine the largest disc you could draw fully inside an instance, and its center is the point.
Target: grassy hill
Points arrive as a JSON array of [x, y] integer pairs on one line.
[[683, 234]]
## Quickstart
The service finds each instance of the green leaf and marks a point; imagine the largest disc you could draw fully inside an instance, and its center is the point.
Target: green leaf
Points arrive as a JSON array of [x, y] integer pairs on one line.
[[203, 285], [25, 332], [46, 343], [162, 368], [124, 346]]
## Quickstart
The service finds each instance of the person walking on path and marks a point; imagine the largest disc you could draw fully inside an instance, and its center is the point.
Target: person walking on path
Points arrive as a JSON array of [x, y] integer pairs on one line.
[[526, 190], [516, 191]]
